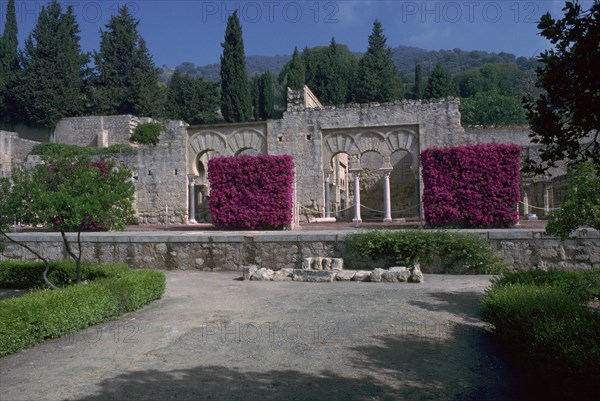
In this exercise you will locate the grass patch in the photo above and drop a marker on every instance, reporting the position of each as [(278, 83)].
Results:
[(457, 252), (44, 314), (544, 320)]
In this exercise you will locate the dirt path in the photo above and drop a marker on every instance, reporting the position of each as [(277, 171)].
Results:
[(213, 337)]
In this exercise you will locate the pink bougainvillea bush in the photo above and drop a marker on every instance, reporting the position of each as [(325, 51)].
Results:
[(471, 186), (251, 191)]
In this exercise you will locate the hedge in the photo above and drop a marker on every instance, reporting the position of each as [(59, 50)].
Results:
[(544, 319), (459, 252), (471, 186), (250, 192), (45, 314), (59, 150)]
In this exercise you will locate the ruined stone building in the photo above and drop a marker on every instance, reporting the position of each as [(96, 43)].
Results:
[(336, 149)]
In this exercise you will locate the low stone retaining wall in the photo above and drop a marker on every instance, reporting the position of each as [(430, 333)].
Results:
[(523, 249), (326, 270)]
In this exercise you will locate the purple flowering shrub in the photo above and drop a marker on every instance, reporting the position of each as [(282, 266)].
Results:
[(471, 186), (251, 191)]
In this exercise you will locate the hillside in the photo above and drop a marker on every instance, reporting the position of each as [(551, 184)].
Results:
[(405, 58)]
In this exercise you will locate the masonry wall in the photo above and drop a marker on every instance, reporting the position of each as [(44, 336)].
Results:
[(524, 250), (95, 131), (160, 178), (13, 151)]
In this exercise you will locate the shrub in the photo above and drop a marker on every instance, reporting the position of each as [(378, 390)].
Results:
[(45, 314), (147, 134), (543, 319), (459, 252), (471, 186), (251, 191), (59, 151), (581, 204)]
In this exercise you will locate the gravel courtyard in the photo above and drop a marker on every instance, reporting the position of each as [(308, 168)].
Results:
[(214, 337)]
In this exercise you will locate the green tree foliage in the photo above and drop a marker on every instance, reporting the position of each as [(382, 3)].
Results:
[(418, 89), (16, 206), (266, 98), (491, 109), (9, 64), (565, 119), (295, 76), (256, 96), (147, 134), (581, 204), (377, 79), (54, 68), (235, 97), (439, 84), (504, 78), (192, 100), (126, 80), (76, 194)]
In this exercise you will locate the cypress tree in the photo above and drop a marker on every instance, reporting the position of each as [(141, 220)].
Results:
[(256, 92), (378, 80), (126, 79), (266, 97), (418, 88), (235, 97), (54, 68), (9, 64), (335, 86), (296, 75), (440, 84)]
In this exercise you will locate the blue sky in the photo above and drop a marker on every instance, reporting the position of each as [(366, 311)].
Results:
[(192, 30)]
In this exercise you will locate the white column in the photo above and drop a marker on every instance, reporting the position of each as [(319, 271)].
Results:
[(387, 201), (192, 200), (327, 196), (546, 199), (525, 203), (357, 218)]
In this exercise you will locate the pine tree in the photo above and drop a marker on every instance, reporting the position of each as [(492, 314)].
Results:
[(266, 99), (235, 97), (378, 80), (54, 68), (418, 90), (147, 93), (296, 75), (256, 97), (126, 79), (9, 64), (440, 84)]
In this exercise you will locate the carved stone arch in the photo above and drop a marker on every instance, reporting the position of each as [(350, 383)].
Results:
[(247, 138), (337, 143), (402, 139), (207, 140), (371, 141)]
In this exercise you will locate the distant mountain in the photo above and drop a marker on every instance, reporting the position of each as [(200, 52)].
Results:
[(405, 58)]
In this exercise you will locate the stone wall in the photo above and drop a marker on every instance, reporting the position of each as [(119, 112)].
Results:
[(13, 151), (523, 249), (95, 131)]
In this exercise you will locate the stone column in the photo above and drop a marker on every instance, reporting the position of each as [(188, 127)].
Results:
[(525, 201), (327, 193), (546, 199), (357, 218), (192, 199), (387, 198)]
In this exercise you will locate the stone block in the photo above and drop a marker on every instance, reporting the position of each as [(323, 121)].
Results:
[(283, 275), (313, 276), (416, 276), (337, 264), (249, 271), (362, 275), (317, 263), (263, 275), (307, 263), (326, 264), (345, 275), (376, 275)]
